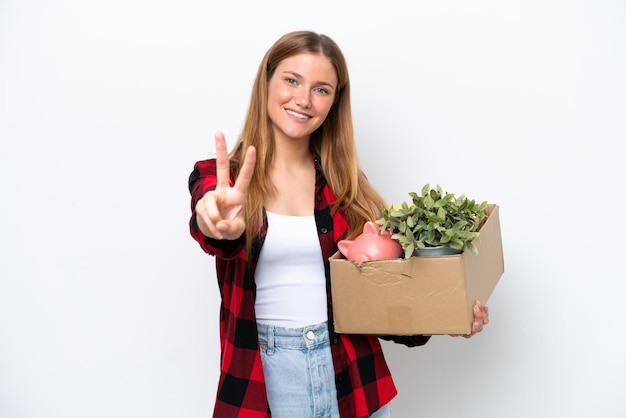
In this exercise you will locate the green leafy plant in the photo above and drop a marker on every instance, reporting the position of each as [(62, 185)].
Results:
[(434, 218)]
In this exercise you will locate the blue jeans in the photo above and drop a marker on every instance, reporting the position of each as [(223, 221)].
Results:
[(299, 373)]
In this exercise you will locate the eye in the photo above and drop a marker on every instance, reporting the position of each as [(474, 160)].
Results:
[(291, 81), (321, 90)]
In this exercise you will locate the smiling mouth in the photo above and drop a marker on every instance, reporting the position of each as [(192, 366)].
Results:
[(298, 115)]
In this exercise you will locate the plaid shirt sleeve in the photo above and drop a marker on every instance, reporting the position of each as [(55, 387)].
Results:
[(363, 380)]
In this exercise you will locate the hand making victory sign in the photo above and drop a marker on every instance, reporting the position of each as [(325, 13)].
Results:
[(220, 212)]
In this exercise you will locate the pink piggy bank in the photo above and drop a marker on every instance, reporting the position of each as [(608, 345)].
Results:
[(370, 245)]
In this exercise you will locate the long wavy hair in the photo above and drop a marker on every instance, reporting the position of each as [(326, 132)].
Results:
[(333, 141)]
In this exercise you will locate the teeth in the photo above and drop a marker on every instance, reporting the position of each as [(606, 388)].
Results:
[(298, 115)]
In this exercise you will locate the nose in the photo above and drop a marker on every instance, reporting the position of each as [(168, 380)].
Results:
[(303, 99)]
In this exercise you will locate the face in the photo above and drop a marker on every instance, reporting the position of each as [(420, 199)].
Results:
[(300, 94)]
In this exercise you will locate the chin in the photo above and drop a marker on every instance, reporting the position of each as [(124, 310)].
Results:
[(297, 135)]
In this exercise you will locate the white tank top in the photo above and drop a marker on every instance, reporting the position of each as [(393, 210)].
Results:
[(290, 279)]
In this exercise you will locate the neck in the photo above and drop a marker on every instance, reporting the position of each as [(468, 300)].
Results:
[(291, 152), (292, 174)]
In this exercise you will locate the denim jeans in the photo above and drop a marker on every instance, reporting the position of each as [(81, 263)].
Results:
[(299, 373)]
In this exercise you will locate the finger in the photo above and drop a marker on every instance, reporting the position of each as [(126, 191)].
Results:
[(479, 312), (231, 229), (212, 211), (222, 162), (477, 326), (247, 169), (207, 227), (479, 318)]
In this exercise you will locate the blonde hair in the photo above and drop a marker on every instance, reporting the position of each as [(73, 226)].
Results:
[(333, 140)]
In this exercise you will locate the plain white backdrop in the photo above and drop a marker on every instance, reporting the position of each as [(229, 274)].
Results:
[(108, 308)]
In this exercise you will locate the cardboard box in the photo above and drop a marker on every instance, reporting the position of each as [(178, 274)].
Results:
[(420, 295)]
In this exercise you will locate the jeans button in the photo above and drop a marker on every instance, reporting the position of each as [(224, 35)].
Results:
[(310, 335)]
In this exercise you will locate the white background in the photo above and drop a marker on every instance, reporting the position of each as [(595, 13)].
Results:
[(109, 309)]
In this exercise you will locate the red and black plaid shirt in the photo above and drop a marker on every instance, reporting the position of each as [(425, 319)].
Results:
[(362, 377)]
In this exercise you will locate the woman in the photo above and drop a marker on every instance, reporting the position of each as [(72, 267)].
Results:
[(272, 216)]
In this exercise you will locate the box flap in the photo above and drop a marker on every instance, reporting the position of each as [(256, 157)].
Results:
[(485, 269)]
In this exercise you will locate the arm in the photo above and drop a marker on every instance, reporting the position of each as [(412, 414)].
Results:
[(217, 200), (203, 179), (408, 340)]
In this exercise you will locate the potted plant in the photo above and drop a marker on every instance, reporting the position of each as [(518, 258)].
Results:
[(434, 221)]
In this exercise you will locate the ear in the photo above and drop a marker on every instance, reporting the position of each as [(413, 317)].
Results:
[(344, 247), (371, 228)]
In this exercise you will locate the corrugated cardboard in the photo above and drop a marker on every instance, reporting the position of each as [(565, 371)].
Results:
[(420, 295)]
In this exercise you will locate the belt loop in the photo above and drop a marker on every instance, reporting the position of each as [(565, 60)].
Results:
[(270, 340)]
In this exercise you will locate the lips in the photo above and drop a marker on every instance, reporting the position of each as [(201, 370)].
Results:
[(298, 115)]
